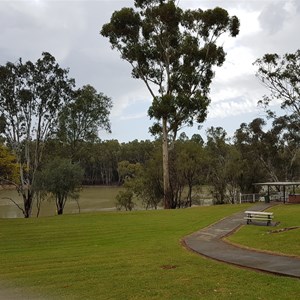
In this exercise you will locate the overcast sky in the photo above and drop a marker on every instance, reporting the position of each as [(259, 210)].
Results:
[(69, 30)]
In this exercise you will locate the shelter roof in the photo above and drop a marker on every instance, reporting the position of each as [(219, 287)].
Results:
[(276, 183)]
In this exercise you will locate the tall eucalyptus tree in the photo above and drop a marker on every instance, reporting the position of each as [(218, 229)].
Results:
[(173, 52)]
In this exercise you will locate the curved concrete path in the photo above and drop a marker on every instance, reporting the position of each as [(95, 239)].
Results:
[(208, 242)]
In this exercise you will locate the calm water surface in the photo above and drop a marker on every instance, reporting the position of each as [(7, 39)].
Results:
[(91, 199)]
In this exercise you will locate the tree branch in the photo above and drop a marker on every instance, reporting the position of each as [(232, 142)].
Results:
[(14, 202)]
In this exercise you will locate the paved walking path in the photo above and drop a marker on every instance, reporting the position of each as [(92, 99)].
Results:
[(208, 242)]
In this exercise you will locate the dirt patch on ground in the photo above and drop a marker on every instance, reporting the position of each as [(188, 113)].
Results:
[(284, 229), (7, 292), (10, 294), (168, 267)]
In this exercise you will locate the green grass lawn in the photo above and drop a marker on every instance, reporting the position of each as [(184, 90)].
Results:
[(261, 237), (120, 255)]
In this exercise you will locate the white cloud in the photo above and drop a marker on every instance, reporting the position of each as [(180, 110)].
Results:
[(141, 115), (239, 62), (231, 108)]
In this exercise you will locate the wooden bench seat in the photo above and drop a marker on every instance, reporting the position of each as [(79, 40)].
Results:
[(258, 216)]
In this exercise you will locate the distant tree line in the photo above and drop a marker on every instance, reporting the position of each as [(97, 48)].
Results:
[(227, 166)]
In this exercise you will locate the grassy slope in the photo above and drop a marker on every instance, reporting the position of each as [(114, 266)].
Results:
[(287, 242), (126, 256)]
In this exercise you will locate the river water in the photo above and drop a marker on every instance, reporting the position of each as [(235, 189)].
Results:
[(91, 199)]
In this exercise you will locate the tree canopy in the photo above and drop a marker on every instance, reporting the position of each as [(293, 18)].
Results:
[(86, 113), (281, 75)]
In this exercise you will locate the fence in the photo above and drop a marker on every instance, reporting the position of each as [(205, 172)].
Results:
[(244, 198)]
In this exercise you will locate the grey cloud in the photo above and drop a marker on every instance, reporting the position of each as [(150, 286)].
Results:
[(297, 5), (282, 38), (273, 17)]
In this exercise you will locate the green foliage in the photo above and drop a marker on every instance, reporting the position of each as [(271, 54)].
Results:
[(81, 119), (100, 159), (145, 180), (249, 142), (9, 169), (125, 200), (271, 155), (137, 151), (225, 166), (127, 170), (147, 185), (61, 179), (190, 169)]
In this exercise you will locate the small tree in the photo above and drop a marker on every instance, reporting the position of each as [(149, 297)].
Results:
[(124, 199), (192, 163), (147, 184), (62, 180), (144, 180)]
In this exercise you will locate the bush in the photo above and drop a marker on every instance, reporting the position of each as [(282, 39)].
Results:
[(124, 199)]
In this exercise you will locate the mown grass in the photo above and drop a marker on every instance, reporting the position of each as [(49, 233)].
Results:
[(135, 255), (261, 237)]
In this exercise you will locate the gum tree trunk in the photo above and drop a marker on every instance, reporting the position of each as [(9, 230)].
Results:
[(166, 172)]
